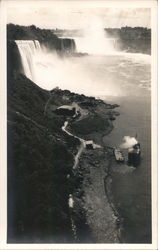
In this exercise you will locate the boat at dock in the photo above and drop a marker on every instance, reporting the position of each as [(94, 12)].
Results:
[(118, 155)]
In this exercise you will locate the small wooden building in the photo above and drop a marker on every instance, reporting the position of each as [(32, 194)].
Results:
[(89, 144), (66, 110)]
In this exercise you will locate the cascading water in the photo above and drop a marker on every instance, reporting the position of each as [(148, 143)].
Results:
[(28, 50), (68, 45)]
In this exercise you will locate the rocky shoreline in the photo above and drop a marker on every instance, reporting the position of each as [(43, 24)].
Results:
[(99, 213)]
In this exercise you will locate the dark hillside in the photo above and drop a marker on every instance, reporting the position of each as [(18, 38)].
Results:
[(39, 159)]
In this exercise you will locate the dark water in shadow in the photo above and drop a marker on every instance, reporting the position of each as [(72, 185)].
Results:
[(131, 187)]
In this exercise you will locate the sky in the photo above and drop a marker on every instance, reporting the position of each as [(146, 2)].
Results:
[(75, 14)]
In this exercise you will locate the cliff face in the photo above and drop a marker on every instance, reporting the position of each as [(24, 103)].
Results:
[(44, 36), (135, 40), (14, 64)]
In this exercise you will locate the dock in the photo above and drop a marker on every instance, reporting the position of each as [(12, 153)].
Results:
[(118, 155)]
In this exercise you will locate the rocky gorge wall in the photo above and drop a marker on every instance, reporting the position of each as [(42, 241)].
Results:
[(132, 39)]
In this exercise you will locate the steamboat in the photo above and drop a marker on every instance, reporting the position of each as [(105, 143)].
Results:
[(134, 154)]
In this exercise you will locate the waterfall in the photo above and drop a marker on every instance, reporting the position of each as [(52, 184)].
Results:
[(41, 63), (28, 50), (68, 45)]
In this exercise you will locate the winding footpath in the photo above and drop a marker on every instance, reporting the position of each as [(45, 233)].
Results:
[(77, 156), (82, 145)]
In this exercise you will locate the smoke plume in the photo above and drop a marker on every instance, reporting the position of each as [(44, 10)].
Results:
[(128, 142)]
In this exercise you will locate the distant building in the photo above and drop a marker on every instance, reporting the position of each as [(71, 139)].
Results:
[(66, 110), (89, 144)]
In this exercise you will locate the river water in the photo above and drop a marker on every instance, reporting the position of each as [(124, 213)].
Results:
[(131, 187)]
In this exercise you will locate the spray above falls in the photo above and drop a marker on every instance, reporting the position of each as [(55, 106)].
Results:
[(95, 39)]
